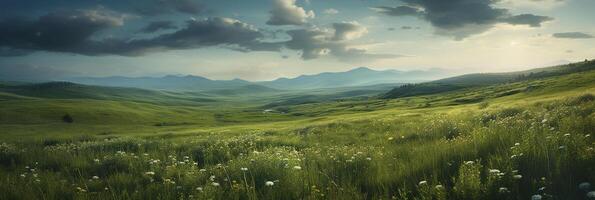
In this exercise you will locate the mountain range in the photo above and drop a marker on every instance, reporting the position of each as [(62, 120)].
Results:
[(361, 76)]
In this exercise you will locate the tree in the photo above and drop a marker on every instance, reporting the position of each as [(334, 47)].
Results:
[(67, 118)]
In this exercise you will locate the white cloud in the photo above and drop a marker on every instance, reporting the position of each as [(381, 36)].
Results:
[(331, 11), (286, 12), (349, 30)]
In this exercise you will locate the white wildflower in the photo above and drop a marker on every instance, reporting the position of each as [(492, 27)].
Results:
[(585, 186)]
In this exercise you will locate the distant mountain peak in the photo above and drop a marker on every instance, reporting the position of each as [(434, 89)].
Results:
[(361, 69)]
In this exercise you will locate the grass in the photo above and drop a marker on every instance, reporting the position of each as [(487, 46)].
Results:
[(506, 141)]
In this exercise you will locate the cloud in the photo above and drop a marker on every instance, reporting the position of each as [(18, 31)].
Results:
[(461, 18), (157, 7), (157, 26), (73, 32), (348, 30), (59, 31), (286, 12), (315, 42), (331, 11), (398, 11), (527, 19), (573, 35), (136, 7)]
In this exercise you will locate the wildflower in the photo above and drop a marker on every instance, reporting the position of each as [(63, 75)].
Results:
[(503, 190), (469, 162), (202, 170), (244, 169), (199, 189), (106, 189), (215, 184), (567, 135), (591, 195), (297, 167), (23, 175), (517, 144), (439, 187), (368, 158), (513, 156), (96, 160), (544, 121), (517, 177), (212, 177), (585, 186), (423, 183), (150, 173), (562, 147), (269, 183), (536, 197), (391, 138), (494, 171), (95, 177)]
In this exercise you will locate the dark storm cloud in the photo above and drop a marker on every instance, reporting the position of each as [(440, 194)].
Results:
[(573, 35), (58, 31), (138, 7), (527, 19), (461, 18), (158, 25), (73, 32)]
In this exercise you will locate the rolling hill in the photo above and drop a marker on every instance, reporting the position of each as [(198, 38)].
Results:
[(486, 79), (68, 90), (170, 82)]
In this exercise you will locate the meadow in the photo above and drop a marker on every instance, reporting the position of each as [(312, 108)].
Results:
[(530, 139)]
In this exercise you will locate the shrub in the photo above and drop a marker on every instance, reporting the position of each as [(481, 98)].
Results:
[(67, 118)]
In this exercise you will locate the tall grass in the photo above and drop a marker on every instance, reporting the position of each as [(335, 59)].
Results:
[(511, 153)]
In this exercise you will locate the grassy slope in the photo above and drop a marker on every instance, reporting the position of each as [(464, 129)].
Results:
[(101, 113), (481, 80), (433, 135)]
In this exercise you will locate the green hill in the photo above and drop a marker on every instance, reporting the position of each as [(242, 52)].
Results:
[(244, 90), (477, 80), (67, 90)]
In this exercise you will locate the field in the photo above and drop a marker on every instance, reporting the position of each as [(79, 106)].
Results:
[(524, 139)]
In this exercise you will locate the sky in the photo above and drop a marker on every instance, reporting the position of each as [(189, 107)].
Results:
[(268, 39)]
